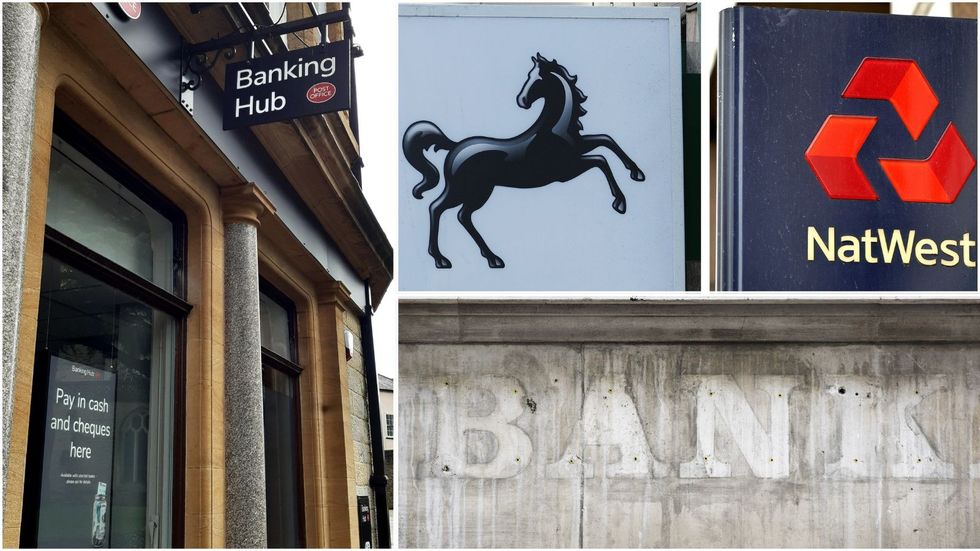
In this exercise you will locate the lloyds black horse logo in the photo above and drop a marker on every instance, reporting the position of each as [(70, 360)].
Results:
[(552, 150)]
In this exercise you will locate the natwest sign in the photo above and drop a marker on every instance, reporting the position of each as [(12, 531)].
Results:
[(847, 152), (287, 86)]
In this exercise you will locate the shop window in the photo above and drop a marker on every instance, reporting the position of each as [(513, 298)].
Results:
[(280, 401), (277, 327), (101, 444), (100, 213)]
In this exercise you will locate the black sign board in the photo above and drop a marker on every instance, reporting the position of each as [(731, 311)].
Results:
[(295, 84), (847, 147), (78, 454), (364, 521)]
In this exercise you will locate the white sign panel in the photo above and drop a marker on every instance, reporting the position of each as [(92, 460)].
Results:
[(541, 149)]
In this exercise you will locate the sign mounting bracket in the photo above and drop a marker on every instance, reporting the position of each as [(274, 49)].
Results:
[(199, 58)]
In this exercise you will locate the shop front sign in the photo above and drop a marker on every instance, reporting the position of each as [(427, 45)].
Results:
[(857, 172), (76, 476), (296, 84), (534, 160)]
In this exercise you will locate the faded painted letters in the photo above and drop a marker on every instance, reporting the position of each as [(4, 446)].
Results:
[(874, 432)]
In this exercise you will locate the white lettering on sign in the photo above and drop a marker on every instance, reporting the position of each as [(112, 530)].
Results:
[(64, 399), (254, 106), (890, 248), (79, 452), (246, 78), (610, 423), (513, 446), (767, 453)]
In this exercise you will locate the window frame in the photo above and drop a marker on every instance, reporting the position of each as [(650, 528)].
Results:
[(293, 370), (73, 253), (287, 304)]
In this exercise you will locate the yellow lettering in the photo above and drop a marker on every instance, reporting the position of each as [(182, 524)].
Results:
[(850, 249), (925, 247), (814, 236), (888, 246), (966, 243), (869, 240), (953, 258)]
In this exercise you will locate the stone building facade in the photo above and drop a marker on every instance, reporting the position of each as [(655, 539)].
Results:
[(199, 293)]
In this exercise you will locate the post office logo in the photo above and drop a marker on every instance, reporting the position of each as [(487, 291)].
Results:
[(321, 92)]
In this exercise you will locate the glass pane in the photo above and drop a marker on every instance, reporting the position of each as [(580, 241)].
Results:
[(281, 458), (108, 428), (93, 208), (275, 327)]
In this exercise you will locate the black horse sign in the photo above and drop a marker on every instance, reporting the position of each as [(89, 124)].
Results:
[(553, 149)]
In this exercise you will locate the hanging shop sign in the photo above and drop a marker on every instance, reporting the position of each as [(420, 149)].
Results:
[(542, 162), (295, 84), (76, 476), (847, 167)]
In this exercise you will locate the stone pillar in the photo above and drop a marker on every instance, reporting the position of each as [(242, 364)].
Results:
[(245, 515), (339, 465), (21, 39)]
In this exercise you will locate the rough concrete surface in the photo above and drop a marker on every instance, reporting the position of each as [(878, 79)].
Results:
[(697, 442)]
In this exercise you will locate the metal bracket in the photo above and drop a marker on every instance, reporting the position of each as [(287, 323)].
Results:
[(196, 60), (194, 67)]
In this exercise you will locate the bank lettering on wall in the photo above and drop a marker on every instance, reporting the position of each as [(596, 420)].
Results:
[(866, 429)]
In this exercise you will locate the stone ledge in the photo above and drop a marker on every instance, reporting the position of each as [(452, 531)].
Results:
[(666, 321)]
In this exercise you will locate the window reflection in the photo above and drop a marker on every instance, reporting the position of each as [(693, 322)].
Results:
[(85, 321)]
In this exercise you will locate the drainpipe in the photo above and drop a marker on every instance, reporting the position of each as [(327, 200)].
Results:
[(379, 482)]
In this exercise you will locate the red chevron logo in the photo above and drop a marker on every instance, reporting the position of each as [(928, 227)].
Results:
[(833, 153), (833, 157), (937, 179), (901, 83)]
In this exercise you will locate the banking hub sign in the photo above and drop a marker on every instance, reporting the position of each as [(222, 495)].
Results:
[(295, 84), (848, 152)]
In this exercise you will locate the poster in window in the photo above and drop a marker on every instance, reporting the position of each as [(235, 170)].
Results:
[(76, 474)]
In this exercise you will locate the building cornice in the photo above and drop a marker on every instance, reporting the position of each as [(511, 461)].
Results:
[(690, 321)]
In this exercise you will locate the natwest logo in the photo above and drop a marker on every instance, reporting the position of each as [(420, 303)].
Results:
[(833, 153)]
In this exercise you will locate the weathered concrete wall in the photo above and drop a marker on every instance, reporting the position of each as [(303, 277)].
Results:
[(689, 424)]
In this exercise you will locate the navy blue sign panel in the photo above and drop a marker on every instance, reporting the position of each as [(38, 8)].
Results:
[(847, 152), (287, 86)]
